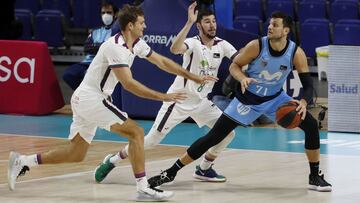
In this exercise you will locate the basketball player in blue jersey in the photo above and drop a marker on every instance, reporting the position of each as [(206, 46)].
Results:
[(92, 107), (202, 55), (270, 60)]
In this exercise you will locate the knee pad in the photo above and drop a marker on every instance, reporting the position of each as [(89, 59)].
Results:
[(310, 126)]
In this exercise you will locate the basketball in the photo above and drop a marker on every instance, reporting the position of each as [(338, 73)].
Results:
[(287, 116)]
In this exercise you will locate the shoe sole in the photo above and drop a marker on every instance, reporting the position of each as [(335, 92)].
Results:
[(206, 179), (165, 199), (105, 159), (320, 189), (12, 157)]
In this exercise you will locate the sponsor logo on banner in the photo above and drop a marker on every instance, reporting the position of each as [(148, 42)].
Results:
[(159, 39), (343, 88), (23, 64)]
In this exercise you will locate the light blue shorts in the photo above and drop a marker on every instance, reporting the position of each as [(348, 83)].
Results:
[(246, 114)]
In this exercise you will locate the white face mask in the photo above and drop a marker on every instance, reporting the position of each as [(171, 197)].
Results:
[(107, 19)]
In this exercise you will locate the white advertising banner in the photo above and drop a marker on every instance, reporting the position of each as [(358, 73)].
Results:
[(344, 88)]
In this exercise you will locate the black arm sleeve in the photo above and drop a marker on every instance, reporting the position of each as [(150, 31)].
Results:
[(308, 86)]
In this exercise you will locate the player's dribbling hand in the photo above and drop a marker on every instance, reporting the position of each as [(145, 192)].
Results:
[(175, 97), (301, 109), (245, 83)]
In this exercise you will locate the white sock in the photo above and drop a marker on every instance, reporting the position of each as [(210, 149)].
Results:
[(205, 163), (118, 157), (30, 160), (141, 183)]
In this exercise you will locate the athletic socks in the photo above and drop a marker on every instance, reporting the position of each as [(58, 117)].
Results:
[(206, 162), (141, 181), (31, 160), (314, 168), (172, 171), (118, 157)]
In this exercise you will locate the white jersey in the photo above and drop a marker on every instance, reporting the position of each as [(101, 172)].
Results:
[(201, 60), (113, 53)]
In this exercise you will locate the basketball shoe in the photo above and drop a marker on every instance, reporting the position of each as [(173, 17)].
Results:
[(16, 168), (153, 195), (161, 179), (103, 169), (209, 175), (318, 183)]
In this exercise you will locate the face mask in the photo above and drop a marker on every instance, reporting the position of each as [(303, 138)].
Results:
[(107, 19)]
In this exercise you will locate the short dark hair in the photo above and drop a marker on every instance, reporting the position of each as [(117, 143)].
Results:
[(129, 14), (202, 13), (287, 20), (106, 4)]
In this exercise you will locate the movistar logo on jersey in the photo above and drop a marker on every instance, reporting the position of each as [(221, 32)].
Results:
[(270, 77), (158, 39), (343, 88)]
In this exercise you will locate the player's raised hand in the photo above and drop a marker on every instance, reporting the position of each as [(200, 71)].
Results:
[(175, 97), (192, 13)]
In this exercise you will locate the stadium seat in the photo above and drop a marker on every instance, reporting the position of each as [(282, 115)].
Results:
[(26, 18), (349, 21), (32, 5), (249, 8), (347, 34), (280, 5), (62, 5), (86, 13), (311, 9), (250, 24), (49, 28), (343, 10), (313, 34)]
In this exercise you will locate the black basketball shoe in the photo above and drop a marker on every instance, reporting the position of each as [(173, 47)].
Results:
[(318, 183), (160, 179)]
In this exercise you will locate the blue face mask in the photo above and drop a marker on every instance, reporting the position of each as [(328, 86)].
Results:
[(107, 19)]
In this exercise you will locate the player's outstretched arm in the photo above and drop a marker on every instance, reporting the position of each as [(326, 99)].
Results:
[(170, 66), (124, 75)]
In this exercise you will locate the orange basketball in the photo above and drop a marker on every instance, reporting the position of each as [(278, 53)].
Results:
[(287, 116)]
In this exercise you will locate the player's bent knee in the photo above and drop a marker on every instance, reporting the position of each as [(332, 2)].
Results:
[(153, 138)]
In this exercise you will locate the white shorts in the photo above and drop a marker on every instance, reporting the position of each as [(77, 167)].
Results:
[(171, 114), (91, 111)]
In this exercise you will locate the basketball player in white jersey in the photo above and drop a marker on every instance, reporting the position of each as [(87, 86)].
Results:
[(92, 107), (202, 55)]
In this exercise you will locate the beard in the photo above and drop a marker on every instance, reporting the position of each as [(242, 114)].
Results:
[(208, 35)]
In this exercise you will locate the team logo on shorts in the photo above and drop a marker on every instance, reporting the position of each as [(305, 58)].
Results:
[(242, 109)]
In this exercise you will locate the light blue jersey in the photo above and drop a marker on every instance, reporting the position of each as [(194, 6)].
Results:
[(271, 70), (97, 37)]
